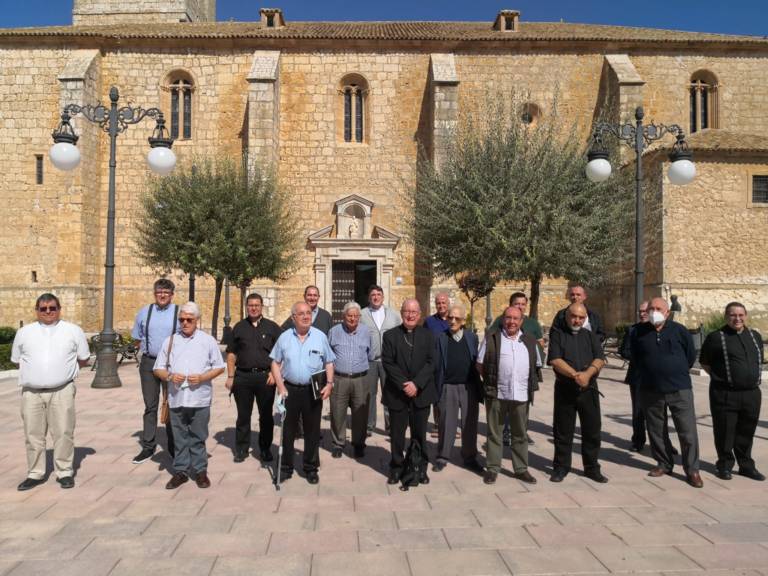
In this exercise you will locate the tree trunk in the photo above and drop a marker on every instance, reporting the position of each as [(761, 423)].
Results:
[(216, 303), (472, 315), (242, 302), (535, 293)]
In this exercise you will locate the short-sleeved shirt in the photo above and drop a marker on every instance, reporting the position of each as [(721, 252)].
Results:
[(299, 360), (577, 349), (160, 327), (353, 350), (194, 354), (252, 344), (47, 354)]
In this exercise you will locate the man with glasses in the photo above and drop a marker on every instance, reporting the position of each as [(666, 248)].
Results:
[(299, 353), (458, 388), (248, 365), (188, 362), (49, 353), (153, 324), (407, 356)]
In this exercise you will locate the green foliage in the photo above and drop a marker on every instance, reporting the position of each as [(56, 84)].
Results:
[(7, 334), (215, 217), (5, 358), (510, 202), (713, 322)]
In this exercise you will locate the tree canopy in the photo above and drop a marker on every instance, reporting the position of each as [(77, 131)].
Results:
[(213, 216), (510, 202)]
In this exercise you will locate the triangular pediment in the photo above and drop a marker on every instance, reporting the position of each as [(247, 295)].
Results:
[(322, 233), (352, 198), (384, 234)]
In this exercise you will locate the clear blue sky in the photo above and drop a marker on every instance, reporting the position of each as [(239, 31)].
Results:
[(733, 17)]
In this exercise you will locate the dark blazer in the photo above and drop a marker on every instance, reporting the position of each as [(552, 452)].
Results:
[(403, 364), (595, 323), (441, 361), (625, 352), (322, 322)]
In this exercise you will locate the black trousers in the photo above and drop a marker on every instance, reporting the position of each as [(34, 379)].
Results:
[(735, 414), (300, 404), (570, 401), (399, 420), (638, 420), (246, 387), (151, 388)]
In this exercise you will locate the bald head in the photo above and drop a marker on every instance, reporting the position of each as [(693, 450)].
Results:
[(575, 316), (411, 312), (658, 312)]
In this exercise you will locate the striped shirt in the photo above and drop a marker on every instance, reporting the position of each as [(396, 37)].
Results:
[(353, 350)]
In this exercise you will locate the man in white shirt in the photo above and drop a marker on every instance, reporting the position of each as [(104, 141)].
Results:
[(507, 362), (193, 362), (378, 318), (49, 353)]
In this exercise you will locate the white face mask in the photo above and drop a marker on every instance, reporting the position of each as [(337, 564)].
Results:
[(657, 318)]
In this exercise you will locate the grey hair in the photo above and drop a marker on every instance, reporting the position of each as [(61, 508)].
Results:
[(190, 308), (294, 308), (409, 300), (460, 307), (350, 306)]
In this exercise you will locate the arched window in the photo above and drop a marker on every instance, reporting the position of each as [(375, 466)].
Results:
[(180, 86), (353, 89), (530, 114), (703, 98)]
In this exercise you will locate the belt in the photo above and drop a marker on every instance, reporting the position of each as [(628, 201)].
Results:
[(296, 385), (252, 370), (355, 375), (148, 356)]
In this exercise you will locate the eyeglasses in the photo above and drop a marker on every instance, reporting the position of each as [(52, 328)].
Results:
[(163, 293), (187, 320), (452, 318), (45, 309)]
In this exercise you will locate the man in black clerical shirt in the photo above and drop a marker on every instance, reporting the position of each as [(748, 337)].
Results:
[(733, 356), (577, 357), (248, 364)]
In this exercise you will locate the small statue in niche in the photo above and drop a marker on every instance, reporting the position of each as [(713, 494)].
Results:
[(354, 231)]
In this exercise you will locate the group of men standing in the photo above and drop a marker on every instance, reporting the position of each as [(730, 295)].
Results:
[(437, 364)]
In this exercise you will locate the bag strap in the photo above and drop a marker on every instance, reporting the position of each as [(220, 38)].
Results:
[(168, 355)]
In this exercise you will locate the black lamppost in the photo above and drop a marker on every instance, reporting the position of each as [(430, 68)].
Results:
[(65, 156), (639, 137)]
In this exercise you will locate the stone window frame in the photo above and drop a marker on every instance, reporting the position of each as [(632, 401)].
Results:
[(750, 187), (353, 110), (530, 114), (703, 91), (184, 120)]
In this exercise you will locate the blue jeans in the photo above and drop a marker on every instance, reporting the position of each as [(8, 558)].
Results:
[(190, 431)]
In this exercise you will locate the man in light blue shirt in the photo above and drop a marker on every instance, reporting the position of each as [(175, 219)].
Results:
[(351, 343), (189, 361), (154, 323), (299, 353)]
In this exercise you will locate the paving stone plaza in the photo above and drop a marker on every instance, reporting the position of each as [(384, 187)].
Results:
[(120, 520)]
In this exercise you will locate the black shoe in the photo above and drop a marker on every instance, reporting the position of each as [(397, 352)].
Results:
[(525, 476), (424, 479), (439, 466), (337, 452), (286, 475), (489, 477), (240, 456), (529, 439), (558, 475), (596, 477), (636, 448), (144, 455), (29, 483), (313, 477), (474, 466), (177, 480), (66, 482), (369, 433), (394, 477), (724, 474), (360, 451), (266, 455), (752, 473)]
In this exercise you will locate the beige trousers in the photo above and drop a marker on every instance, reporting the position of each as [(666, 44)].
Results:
[(42, 409)]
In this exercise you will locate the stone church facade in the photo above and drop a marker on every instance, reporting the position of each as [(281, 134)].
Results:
[(343, 109)]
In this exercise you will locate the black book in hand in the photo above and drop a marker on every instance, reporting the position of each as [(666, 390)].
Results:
[(318, 381)]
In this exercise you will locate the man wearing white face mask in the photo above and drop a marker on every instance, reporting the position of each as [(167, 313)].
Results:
[(663, 352)]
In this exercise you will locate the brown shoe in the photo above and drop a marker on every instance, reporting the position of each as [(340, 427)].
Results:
[(658, 471), (177, 480), (525, 477), (202, 480), (694, 479)]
